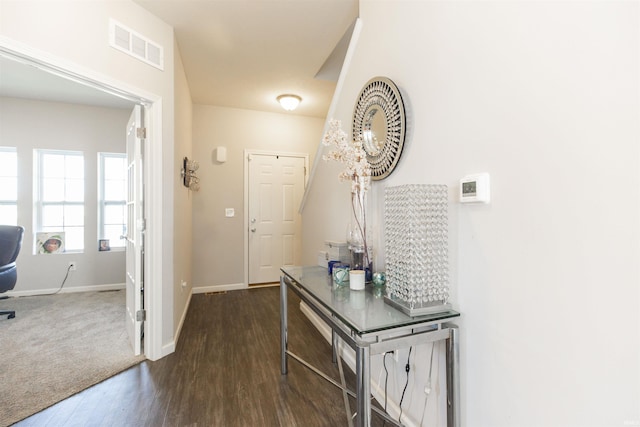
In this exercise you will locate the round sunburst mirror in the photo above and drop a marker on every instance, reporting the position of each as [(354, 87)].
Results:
[(379, 120)]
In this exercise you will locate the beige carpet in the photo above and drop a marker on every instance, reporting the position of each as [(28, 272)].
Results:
[(57, 346)]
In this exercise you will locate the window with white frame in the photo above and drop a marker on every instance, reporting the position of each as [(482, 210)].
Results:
[(60, 195), (8, 186), (112, 198)]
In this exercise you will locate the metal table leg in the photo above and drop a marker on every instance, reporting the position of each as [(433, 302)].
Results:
[(283, 326), (363, 387), (453, 377)]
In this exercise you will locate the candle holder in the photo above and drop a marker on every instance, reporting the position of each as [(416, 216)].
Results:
[(416, 244)]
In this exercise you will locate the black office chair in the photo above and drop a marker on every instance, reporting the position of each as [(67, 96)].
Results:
[(10, 243)]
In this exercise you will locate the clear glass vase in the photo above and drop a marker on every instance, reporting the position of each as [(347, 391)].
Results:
[(358, 237)]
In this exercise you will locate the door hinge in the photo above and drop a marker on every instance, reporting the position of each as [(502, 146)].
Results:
[(141, 315), (141, 133)]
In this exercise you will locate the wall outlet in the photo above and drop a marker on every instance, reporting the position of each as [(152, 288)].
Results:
[(72, 266)]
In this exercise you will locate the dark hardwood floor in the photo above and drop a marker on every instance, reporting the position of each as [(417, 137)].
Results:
[(225, 372)]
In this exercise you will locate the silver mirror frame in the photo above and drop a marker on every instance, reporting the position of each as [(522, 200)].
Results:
[(380, 94)]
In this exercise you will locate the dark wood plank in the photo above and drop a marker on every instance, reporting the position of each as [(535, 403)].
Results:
[(225, 372)]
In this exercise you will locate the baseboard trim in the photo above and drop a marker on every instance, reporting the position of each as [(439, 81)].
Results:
[(218, 288), (176, 336), (71, 289), (167, 349), (265, 285)]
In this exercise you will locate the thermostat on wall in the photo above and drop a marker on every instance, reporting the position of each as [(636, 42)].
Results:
[(475, 188)]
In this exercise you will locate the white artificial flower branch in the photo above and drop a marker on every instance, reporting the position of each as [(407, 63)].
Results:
[(357, 170), (350, 153)]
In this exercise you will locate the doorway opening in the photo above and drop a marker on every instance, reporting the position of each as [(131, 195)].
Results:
[(152, 167)]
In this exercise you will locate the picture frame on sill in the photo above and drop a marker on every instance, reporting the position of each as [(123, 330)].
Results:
[(103, 245), (50, 242)]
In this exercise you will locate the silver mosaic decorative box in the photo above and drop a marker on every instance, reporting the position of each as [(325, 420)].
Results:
[(416, 246)]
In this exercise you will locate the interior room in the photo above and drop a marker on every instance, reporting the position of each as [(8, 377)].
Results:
[(64, 126), (541, 98)]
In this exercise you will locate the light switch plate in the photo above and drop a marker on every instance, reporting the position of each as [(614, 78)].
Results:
[(229, 212)]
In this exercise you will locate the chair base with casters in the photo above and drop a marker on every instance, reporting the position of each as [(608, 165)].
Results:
[(11, 313), (10, 243)]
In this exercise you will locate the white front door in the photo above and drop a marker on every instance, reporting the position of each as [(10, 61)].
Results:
[(135, 230), (276, 187)]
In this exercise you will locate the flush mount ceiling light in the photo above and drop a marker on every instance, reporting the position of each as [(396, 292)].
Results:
[(289, 102)]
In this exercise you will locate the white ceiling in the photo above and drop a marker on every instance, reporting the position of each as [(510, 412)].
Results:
[(244, 53), (236, 53), (19, 79)]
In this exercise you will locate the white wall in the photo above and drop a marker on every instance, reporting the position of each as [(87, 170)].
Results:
[(545, 97), (29, 125), (183, 224), (73, 35), (218, 242)]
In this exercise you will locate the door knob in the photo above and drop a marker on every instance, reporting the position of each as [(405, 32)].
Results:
[(253, 230)]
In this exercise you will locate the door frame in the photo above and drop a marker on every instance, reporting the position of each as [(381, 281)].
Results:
[(152, 104), (247, 154)]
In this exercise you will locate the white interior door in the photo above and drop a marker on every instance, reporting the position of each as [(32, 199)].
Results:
[(276, 186), (135, 230)]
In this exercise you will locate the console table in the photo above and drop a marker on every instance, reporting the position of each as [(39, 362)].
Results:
[(370, 326)]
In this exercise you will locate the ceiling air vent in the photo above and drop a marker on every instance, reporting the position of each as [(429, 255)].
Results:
[(135, 44)]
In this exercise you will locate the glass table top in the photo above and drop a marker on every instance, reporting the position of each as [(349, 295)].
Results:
[(363, 311)]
